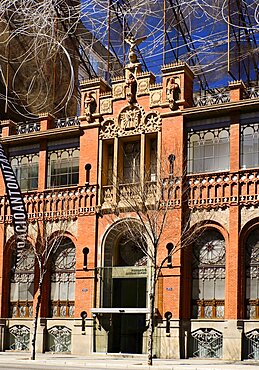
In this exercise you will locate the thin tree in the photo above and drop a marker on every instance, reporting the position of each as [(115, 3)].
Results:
[(150, 203), (47, 239)]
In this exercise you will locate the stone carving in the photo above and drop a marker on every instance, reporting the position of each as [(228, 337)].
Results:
[(89, 105), (143, 87), (153, 122), (172, 92), (131, 88), (156, 97), (131, 121), (118, 91), (129, 118), (108, 129), (106, 106), (133, 43)]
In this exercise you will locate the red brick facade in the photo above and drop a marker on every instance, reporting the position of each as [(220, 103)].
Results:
[(224, 198)]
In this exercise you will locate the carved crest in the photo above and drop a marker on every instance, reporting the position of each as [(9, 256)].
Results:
[(129, 118)]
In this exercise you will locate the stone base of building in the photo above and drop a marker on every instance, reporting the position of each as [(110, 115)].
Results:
[(227, 339)]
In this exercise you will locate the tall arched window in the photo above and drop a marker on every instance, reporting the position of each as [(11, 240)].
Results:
[(252, 274), (22, 284), (63, 280), (208, 276)]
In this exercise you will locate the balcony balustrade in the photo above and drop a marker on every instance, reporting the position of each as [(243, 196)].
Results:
[(224, 189), (54, 204)]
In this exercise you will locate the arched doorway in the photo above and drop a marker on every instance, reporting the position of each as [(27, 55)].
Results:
[(124, 288)]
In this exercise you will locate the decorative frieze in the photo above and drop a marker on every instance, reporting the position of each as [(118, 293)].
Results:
[(131, 120)]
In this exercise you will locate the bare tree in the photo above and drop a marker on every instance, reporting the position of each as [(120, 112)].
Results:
[(47, 237), (151, 203)]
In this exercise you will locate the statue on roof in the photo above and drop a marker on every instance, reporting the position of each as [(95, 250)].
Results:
[(133, 43)]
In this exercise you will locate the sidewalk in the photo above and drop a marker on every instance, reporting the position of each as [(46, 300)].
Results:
[(122, 362)]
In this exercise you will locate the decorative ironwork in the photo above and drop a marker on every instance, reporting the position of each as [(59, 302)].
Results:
[(212, 97), (252, 342), (208, 150), (19, 338), (28, 127), (252, 92), (68, 122), (59, 338), (63, 280), (208, 275), (207, 343)]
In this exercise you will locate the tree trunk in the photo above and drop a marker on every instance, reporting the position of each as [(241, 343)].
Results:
[(35, 323), (151, 315)]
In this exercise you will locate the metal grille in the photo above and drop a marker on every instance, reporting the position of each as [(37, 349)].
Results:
[(207, 343), (252, 339), (67, 122), (59, 339), (212, 97), (19, 338)]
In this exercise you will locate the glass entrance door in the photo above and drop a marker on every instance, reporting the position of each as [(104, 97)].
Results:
[(126, 334)]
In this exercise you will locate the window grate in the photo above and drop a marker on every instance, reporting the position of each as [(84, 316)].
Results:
[(207, 343)]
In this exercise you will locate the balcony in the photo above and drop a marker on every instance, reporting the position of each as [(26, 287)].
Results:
[(64, 204), (224, 189)]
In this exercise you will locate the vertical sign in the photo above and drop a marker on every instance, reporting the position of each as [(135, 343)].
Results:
[(15, 198)]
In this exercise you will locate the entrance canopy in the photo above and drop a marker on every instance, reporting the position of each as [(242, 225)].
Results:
[(119, 310)]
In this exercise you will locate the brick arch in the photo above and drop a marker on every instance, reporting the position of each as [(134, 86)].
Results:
[(112, 236), (197, 228)]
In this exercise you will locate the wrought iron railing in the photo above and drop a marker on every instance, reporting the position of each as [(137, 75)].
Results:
[(252, 92), (66, 122), (212, 97), (27, 127)]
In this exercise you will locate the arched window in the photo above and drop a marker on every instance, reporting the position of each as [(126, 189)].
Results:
[(22, 284), (63, 280), (252, 274), (208, 276), (130, 251)]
